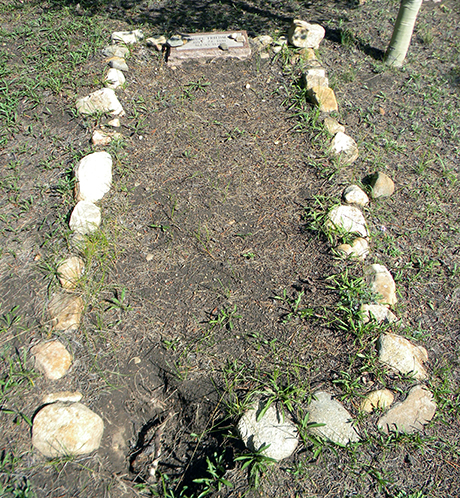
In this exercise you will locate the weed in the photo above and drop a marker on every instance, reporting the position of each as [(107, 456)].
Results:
[(225, 318), (214, 481), (257, 464), (294, 309)]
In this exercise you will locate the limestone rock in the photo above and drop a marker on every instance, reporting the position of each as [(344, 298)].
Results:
[(315, 76), (65, 396), (383, 398), (61, 429), (127, 37), (101, 139), (402, 356), (412, 414), (262, 42), (273, 429), (355, 195), (378, 312), (382, 284), (52, 359), (345, 148), (94, 176), (308, 55), (157, 42), (70, 271), (382, 185), (114, 78), (65, 311), (115, 123), (116, 51), (118, 63), (305, 35), (103, 100), (337, 421), (347, 218), (333, 126), (359, 249), (324, 98), (85, 218)]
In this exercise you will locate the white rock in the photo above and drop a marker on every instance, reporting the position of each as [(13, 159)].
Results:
[(305, 35), (114, 78), (65, 396), (355, 195), (65, 311), (347, 218), (103, 100), (412, 414), (382, 284), (333, 126), (156, 42), (63, 429), (70, 271), (85, 218), (345, 148), (116, 51), (382, 185), (94, 176), (128, 37), (378, 312), (383, 398), (402, 356), (52, 359), (359, 249), (337, 426), (280, 433)]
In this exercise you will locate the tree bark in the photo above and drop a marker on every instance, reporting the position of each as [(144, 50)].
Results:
[(402, 33)]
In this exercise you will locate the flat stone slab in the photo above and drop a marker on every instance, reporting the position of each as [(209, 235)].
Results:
[(221, 44)]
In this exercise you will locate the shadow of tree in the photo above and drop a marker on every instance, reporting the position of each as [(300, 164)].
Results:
[(189, 16)]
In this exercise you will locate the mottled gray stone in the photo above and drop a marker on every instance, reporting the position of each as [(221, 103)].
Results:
[(273, 429), (382, 185), (355, 195), (337, 421)]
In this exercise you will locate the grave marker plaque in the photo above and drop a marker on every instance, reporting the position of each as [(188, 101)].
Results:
[(211, 45)]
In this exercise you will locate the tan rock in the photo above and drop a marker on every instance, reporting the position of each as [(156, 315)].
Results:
[(412, 414), (65, 396), (324, 98), (400, 355), (314, 76), (157, 42), (382, 284), (308, 54), (100, 138), (52, 359), (382, 185), (382, 399), (70, 272), (85, 218), (333, 126), (359, 249), (65, 311), (61, 429), (305, 35), (355, 195)]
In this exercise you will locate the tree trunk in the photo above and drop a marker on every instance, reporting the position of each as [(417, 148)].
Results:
[(400, 41)]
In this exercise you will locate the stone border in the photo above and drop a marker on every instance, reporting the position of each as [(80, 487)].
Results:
[(94, 176)]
